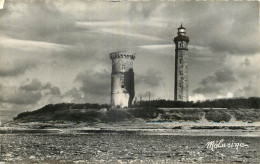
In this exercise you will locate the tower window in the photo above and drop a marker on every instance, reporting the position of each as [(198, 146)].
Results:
[(180, 44), (123, 67), (180, 72), (122, 81), (184, 44), (180, 60)]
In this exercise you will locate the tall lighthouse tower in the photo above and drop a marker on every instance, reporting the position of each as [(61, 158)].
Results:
[(181, 41), (122, 79)]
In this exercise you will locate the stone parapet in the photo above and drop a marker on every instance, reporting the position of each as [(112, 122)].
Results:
[(122, 54)]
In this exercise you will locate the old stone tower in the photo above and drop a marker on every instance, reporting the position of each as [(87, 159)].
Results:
[(122, 79), (181, 41)]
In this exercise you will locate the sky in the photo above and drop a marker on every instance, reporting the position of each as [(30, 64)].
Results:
[(58, 51)]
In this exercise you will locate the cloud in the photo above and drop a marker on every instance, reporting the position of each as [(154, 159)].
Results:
[(30, 92), (98, 24), (124, 32), (197, 97), (74, 96), (95, 85), (228, 95), (2, 4), (46, 86), (8, 69), (218, 26), (213, 84), (148, 82), (13, 95), (251, 89), (34, 85), (220, 76), (150, 79), (141, 12), (238, 77), (30, 45), (158, 46), (245, 67), (37, 21), (246, 62), (209, 89), (55, 91)]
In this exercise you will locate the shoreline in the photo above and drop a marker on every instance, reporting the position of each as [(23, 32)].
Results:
[(186, 128), (175, 132)]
